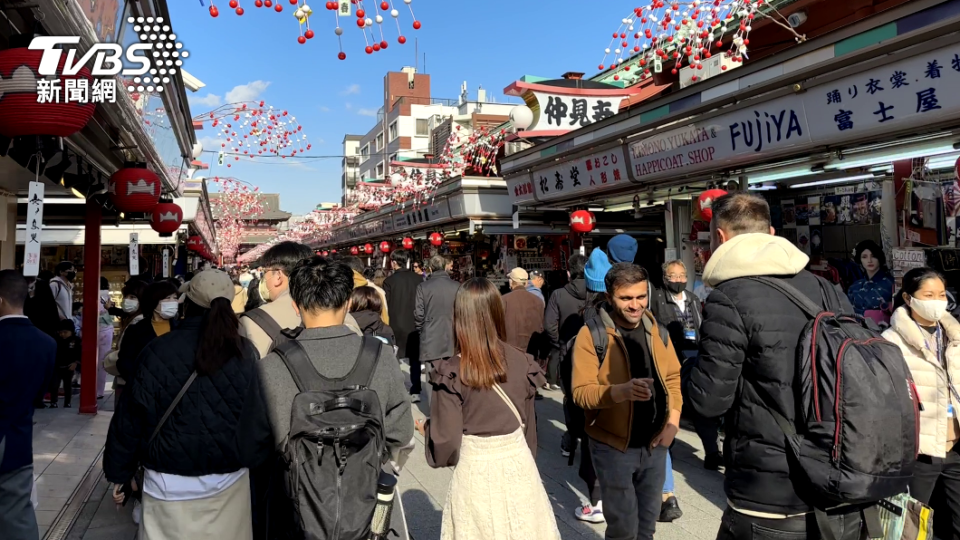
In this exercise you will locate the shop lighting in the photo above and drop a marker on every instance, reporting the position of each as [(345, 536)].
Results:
[(615, 208), (833, 181), (772, 175), (873, 158), (762, 188)]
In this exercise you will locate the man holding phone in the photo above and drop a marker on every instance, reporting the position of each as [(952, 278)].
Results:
[(632, 401)]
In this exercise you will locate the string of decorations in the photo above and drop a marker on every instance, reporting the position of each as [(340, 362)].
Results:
[(370, 19), (317, 226), (239, 202), (253, 128)]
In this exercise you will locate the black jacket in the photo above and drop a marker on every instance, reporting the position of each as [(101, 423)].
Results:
[(564, 316), (199, 438), (401, 290), (134, 340), (433, 315), (665, 312), (371, 324), (68, 351), (747, 365)]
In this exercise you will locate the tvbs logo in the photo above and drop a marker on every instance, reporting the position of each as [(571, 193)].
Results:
[(107, 57)]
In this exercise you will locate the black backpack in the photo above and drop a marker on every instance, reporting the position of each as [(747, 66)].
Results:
[(335, 447), (858, 415), (269, 326)]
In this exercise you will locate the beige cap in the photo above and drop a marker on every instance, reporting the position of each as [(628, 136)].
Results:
[(207, 285), (518, 274)]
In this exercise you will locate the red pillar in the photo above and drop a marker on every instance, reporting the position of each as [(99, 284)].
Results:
[(91, 299)]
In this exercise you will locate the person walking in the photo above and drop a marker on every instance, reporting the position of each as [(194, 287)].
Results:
[(535, 283), (161, 303), (188, 395), (62, 287), (483, 422), (360, 279), (366, 306), (632, 401), (433, 318), (524, 311), (401, 291), (564, 315), (748, 343), (28, 363), (929, 337), (68, 360)]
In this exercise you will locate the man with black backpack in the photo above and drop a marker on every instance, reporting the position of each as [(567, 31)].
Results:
[(791, 387), (336, 408)]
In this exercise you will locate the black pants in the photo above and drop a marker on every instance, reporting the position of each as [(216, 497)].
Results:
[(737, 526), (927, 472), (413, 354), (64, 376), (553, 367)]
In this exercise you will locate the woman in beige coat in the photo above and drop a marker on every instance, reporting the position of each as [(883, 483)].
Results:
[(930, 340)]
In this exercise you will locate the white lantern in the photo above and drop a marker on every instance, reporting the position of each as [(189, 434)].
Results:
[(522, 117)]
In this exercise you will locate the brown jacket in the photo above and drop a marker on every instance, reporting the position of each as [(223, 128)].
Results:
[(523, 315), (607, 421)]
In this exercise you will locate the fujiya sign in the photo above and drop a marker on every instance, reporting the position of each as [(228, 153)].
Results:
[(565, 112)]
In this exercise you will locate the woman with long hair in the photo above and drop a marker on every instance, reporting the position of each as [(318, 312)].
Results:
[(179, 422), (482, 421), (929, 337)]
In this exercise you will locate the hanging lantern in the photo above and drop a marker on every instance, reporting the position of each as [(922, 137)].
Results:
[(582, 221), (324, 254), (408, 243), (166, 217), (134, 189), (195, 243), (368, 249), (436, 239), (354, 250), (704, 206), (333, 251), (385, 246), (22, 113)]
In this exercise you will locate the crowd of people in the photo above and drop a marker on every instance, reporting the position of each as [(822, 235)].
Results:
[(270, 402)]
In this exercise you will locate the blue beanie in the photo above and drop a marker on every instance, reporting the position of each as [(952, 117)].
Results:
[(622, 248), (596, 270)]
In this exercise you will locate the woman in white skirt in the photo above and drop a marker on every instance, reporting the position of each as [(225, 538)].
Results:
[(482, 421)]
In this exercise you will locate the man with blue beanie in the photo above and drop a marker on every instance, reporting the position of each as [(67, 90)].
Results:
[(622, 248)]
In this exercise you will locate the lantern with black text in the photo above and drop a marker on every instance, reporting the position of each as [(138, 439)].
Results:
[(582, 221), (166, 218), (354, 250), (195, 243), (134, 189), (408, 243), (385, 247), (368, 249), (436, 239)]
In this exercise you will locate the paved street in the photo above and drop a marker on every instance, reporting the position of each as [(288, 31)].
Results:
[(422, 489)]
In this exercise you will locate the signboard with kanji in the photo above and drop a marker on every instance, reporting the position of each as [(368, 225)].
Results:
[(565, 112), (581, 175), (31, 251)]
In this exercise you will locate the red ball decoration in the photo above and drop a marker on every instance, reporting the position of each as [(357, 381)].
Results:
[(361, 23), (376, 46), (582, 221), (268, 3), (166, 217), (309, 34), (416, 25), (195, 243), (704, 207), (408, 243), (368, 249), (234, 4), (385, 247), (383, 44), (384, 5), (278, 8), (239, 11), (342, 55), (369, 49), (401, 40), (258, 3), (361, 13), (301, 40), (436, 239), (354, 250), (20, 112), (134, 189), (214, 12)]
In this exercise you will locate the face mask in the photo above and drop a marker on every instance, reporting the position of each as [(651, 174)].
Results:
[(71, 276), (264, 292), (676, 287), (168, 309), (931, 310), (130, 305)]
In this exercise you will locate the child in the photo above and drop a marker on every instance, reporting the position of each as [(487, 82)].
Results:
[(68, 359), (78, 318)]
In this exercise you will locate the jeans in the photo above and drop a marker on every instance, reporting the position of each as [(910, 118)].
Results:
[(926, 473), (631, 483), (17, 518), (668, 479), (737, 526)]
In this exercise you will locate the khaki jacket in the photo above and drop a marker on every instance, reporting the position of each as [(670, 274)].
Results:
[(607, 421)]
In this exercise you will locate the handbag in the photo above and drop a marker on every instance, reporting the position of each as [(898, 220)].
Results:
[(905, 518)]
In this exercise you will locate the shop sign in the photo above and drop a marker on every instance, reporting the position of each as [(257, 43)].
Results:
[(589, 173), (906, 94), (134, 254), (521, 189), (862, 187), (31, 251), (166, 263), (905, 259), (536, 263), (562, 112), (422, 215)]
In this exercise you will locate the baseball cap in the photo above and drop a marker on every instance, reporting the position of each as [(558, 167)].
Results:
[(208, 285), (536, 273), (518, 274)]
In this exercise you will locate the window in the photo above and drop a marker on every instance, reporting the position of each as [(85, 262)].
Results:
[(393, 131), (380, 170), (379, 142), (393, 157), (356, 151), (363, 177), (365, 151), (423, 127)]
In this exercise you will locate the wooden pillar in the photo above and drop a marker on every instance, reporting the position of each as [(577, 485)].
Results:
[(91, 301)]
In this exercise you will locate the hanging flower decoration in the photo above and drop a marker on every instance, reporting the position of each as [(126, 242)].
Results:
[(368, 18), (665, 34), (238, 203), (250, 129)]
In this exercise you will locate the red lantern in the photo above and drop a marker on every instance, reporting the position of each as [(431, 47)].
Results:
[(408, 243), (484, 253), (134, 189), (704, 206), (436, 239), (582, 221), (166, 217), (195, 243), (385, 246), (354, 250), (324, 253), (20, 111), (368, 249), (333, 251)]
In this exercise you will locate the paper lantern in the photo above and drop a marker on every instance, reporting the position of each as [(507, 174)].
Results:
[(408, 243), (21, 114), (704, 206), (436, 239), (195, 243), (134, 189), (368, 249), (324, 253), (582, 221), (385, 246), (333, 251), (354, 250), (166, 217)]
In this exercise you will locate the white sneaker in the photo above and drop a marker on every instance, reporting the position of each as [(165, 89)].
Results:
[(137, 512), (590, 514), (555, 387)]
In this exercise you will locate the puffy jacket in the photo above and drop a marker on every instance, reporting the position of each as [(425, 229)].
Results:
[(199, 438), (748, 348), (564, 317), (433, 315), (929, 376)]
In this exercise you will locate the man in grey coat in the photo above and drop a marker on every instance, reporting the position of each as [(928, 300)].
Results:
[(433, 315)]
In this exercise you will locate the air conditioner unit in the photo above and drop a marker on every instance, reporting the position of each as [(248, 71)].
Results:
[(712, 67)]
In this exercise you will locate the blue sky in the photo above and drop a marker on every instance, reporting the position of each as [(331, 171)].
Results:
[(487, 43)]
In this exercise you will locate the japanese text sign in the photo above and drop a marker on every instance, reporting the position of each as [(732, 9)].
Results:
[(564, 113), (134, 254), (588, 173), (31, 251)]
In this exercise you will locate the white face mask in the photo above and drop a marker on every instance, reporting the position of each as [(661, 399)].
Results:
[(931, 310), (130, 305), (168, 309)]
